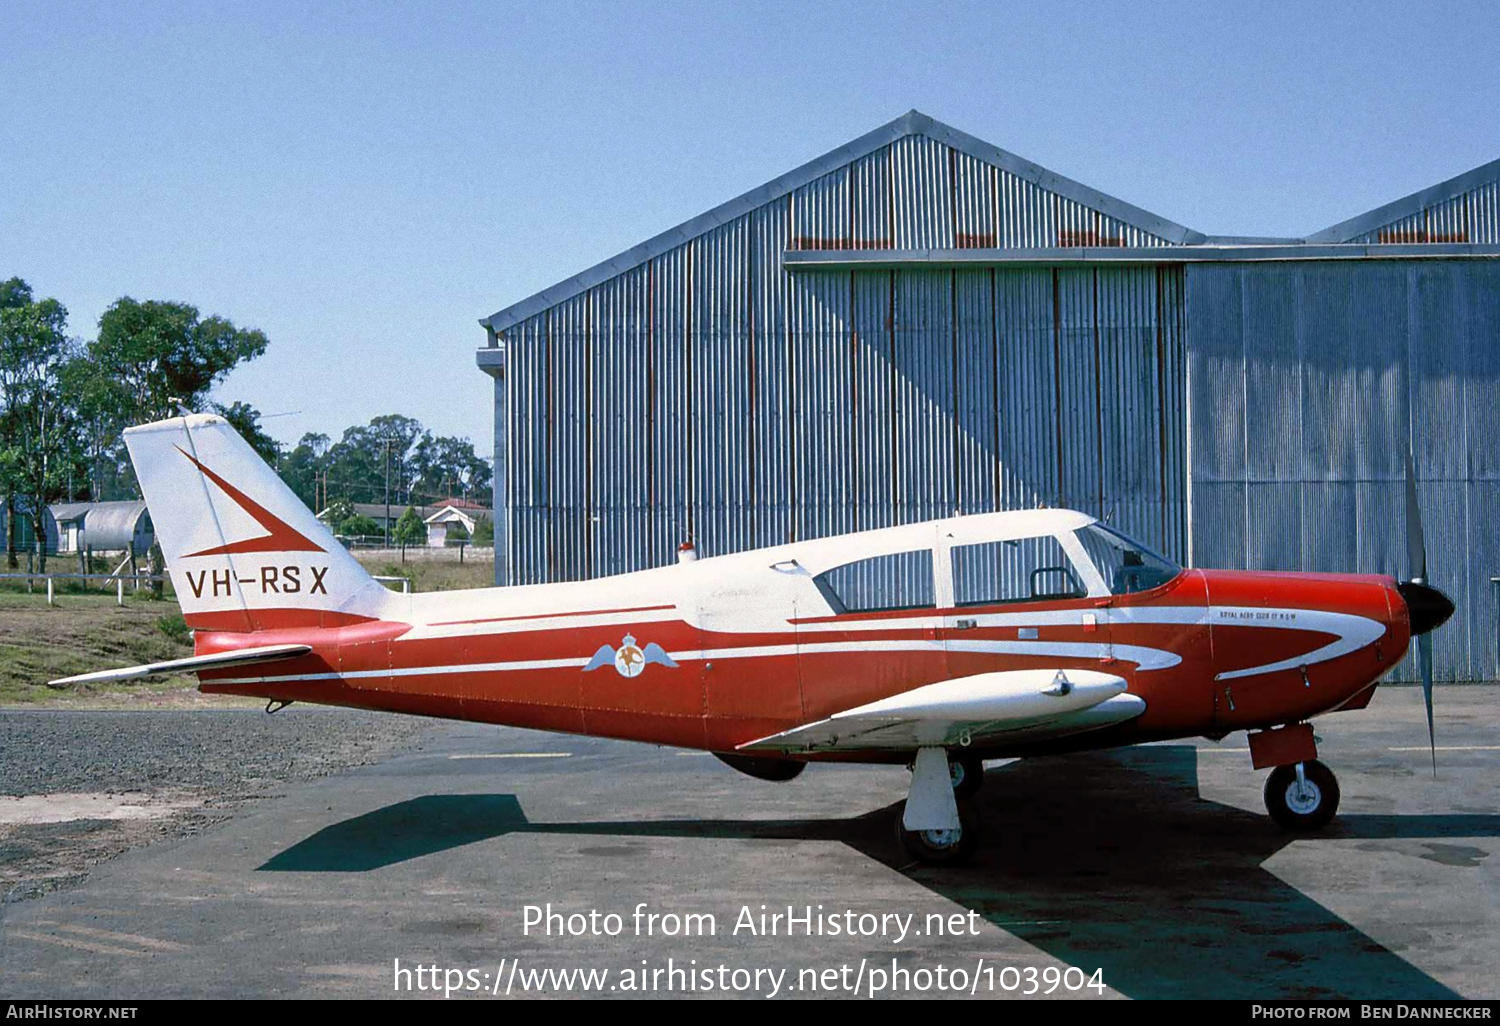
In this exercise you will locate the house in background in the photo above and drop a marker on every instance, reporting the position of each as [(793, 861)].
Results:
[(453, 523), (439, 517)]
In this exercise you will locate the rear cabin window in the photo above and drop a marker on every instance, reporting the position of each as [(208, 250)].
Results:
[(1023, 570), (902, 580)]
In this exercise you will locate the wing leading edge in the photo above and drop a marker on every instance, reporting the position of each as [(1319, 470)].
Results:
[(1012, 705)]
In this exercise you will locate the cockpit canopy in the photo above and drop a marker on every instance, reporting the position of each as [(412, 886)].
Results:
[(961, 568)]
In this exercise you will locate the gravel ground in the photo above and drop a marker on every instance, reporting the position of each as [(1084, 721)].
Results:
[(169, 773)]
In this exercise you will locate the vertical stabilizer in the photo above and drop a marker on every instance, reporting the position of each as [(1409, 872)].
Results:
[(245, 554)]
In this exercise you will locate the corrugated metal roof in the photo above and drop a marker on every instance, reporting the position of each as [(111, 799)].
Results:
[(1021, 172)]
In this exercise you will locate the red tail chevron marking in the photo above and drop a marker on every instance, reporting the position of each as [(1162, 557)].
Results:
[(282, 537)]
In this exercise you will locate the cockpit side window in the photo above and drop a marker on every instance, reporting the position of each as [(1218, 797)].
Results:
[(900, 580), (1021, 570), (1127, 566)]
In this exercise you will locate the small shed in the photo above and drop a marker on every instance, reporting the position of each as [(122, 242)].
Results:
[(100, 527), (65, 525)]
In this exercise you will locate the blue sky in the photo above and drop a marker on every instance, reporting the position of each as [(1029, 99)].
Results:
[(364, 181)]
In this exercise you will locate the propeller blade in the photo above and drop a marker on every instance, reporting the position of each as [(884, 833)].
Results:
[(1416, 563), (1416, 547), (1424, 658)]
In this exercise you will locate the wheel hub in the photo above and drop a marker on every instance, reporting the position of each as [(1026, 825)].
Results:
[(1303, 797), (941, 838)]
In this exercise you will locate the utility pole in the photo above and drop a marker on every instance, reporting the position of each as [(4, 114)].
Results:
[(388, 443)]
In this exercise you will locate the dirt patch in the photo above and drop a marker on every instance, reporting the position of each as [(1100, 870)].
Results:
[(31, 809), (81, 786)]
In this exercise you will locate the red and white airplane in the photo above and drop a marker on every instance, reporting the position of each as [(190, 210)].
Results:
[(937, 644)]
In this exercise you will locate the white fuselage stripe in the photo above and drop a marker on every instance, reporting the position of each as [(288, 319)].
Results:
[(427, 632), (1353, 633), (1147, 658)]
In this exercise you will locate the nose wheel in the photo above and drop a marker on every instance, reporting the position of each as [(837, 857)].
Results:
[(1303, 796)]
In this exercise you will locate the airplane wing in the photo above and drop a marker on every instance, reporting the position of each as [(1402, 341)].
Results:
[(1015, 705), (216, 661)]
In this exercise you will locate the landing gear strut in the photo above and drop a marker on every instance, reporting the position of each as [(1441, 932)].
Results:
[(938, 823), (1303, 796)]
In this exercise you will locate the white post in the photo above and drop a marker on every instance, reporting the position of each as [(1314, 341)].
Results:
[(119, 591), (49, 589)]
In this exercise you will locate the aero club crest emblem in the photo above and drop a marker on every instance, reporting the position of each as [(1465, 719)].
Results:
[(630, 659)]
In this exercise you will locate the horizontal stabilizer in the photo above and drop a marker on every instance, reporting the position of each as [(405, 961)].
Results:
[(1011, 706), (216, 661)]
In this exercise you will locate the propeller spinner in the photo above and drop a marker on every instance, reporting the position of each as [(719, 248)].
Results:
[(1427, 607)]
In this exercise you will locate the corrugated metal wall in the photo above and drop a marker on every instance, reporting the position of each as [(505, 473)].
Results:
[(918, 193), (710, 394), (1472, 217), (1303, 377)]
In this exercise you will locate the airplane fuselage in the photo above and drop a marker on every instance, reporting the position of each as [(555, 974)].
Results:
[(1209, 651)]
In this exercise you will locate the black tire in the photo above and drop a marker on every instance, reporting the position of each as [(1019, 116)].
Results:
[(939, 847), (967, 774), (1308, 811)]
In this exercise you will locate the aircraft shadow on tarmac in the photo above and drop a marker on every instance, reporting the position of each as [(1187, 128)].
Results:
[(1105, 860)]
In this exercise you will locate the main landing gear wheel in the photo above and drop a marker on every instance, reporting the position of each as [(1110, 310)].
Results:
[(1303, 796), (943, 847), (967, 774)]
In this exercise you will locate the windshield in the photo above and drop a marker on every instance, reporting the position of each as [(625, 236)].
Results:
[(1126, 566)]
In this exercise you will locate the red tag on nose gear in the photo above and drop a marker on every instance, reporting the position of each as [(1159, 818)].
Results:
[(1283, 746)]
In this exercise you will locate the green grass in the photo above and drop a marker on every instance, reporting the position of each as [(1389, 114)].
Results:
[(435, 575), (80, 633)]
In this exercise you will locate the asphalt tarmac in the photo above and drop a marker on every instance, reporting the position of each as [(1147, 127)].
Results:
[(1151, 871)]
